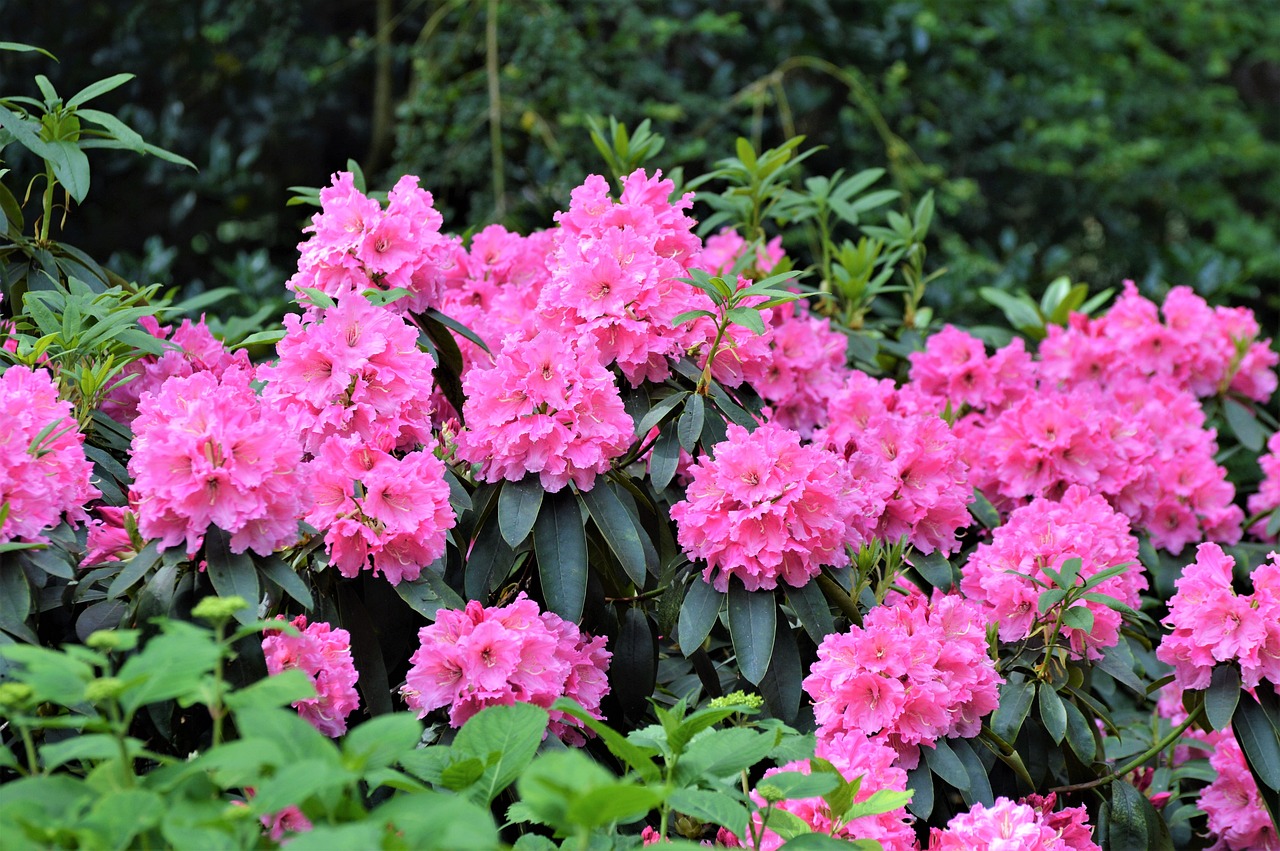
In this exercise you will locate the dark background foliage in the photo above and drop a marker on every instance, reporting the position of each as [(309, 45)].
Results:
[(1103, 140)]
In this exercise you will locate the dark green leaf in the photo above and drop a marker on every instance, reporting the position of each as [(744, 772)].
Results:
[(659, 412), (615, 524), (689, 426), (1256, 724), (366, 652), (1016, 696), (634, 669), (489, 562), (1244, 424), (979, 781), (664, 458), (635, 756), (1133, 823), (518, 506), (1118, 661), (698, 614), (934, 568), (1080, 733), (752, 617), (920, 783), (1052, 712), (1223, 696), (134, 569), (232, 574), (943, 762), (560, 545), (275, 569), (429, 593), (812, 609), (983, 511), (780, 686), (432, 821), (15, 600)]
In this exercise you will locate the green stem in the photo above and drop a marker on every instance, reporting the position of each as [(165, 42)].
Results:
[(704, 382), (216, 708), (29, 743), (1137, 761), (50, 183)]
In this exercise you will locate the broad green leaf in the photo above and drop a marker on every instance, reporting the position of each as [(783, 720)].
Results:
[(1244, 424), (1016, 696), (812, 609), (277, 690), (134, 569), (1080, 733), (70, 166), (379, 742), (1257, 728), (979, 782), (428, 820), (560, 546), (615, 524), (15, 600), (518, 506), (172, 665), (714, 807), (920, 784), (101, 87), (780, 685), (721, 753), (275, 569), (232, 574), (1052, 712), (664, 458), (636, 757), (793, 784), (1222, 696), (660, 410), (943, 762), (488, 564), (634, 669), (689, 425), (429, 593), (752, 616)]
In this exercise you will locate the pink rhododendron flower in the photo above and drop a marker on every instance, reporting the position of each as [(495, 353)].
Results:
[(1031, 825), (44, 473), (955, 368), (107, 537), (545, 407), (1200, 349), (908, 461), (197, 351), (1045, 534), (916, 671), (616, 270), (1237, 817), (805, 370), (853, 755), (725, 248), (206, 451), (356, 371), (1268, 496), (499, 656), (324, 655), (375, 507), (765, 508), (356, 245), (1211, 624)]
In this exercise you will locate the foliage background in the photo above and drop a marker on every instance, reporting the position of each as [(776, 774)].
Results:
[(1102, 140)]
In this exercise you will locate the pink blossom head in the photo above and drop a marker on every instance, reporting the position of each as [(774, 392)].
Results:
[(44, 474), (763, 507), (324, 655)]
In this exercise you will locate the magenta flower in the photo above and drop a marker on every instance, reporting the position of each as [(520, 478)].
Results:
[(1045, 534), (1031, 825), (356, 371), (324, 655), (380, 509), (44, 473), (206, 451), (545, 407), (499, 656), (765, 508), (916, 671)]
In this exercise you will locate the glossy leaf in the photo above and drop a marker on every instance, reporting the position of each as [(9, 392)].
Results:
[(615, 524), (518, 507), (780, 685), (1222, 696), (560, 545), (698, 613), (752, 619), (232, 574), (812, 609)]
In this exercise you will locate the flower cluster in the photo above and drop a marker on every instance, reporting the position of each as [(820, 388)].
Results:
[(206, 451), (357, 370), (854, 756), (763, 507), (955, 367), (1268, 496), (726, 249), (1204, 350), (616, 270), (324, 655), (197, 351), (375, 506), (44, 473), (1030, 824), (806, 368), (1237, 816), (356, 245), (545, 407), (499, 656), (906, 460), (1212, 624), (1004, 573), (916, 671)]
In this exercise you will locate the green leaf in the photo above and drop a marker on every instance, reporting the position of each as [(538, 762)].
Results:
[(1016, 696), (327, 837), (752, 616), (1244, 424), (1118, 661), (232, 574), (793, 784), (780, 685), (1133, 823), (934, 568), (70, 166), (979, 781), (429, 593), (560, 545), (614, 802), (172, 666), (714, 807), (689, 426), (427, 820), (825, 842), (133, 570), (983, 511), (812, 609), (1257, 728), (54, 677), (698, 613), (747, 317), (379, 742), (1078, 617), (1052, 712), (659, 412), (634, 669), (15, 600), (920, 784), (275, 569), (615, 524), (488, 563), (664, 458), (1080, 733), (101, 87), (518, 506), (943, 762), (1223, 695), (274, 691), (636, 757), (721, 753)]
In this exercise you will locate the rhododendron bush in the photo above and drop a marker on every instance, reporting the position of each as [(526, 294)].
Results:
[(662, 523)]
